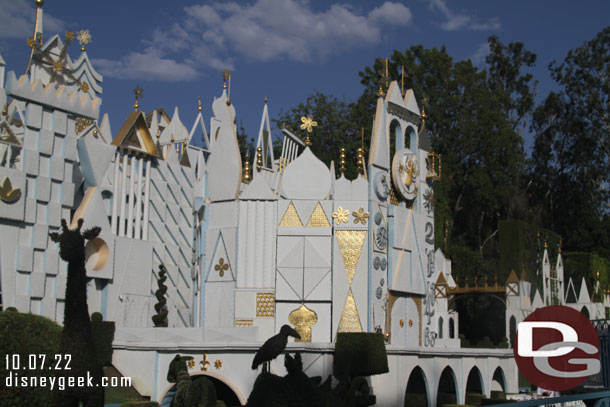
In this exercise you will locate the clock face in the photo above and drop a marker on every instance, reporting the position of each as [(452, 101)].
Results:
[(405, 173)]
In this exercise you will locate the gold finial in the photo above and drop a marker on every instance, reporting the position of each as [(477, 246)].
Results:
[(247, 167), (359, 163), (259, 159), (158, 134), (172, 138), (5, 110), (225, 76), (546, 244), (387, 76), (265, 99), (342, 156), (423, 113), (139, 94), (199, 104), (178, 148), (84, 37), (308, 124), (402, 79), (559, 245), (39, 3)]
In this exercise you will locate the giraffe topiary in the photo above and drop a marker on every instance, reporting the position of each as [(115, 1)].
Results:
[(76, 337)]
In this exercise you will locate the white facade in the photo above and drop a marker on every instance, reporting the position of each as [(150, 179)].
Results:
[(295, 245)]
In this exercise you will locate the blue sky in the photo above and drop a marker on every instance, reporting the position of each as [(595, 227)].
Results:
[(282, 49)]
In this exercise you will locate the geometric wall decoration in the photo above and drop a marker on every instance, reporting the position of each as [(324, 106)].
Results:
[(303, 320), (318, 217), (291, 217), (265, 305), (350, 321), (350, 243)]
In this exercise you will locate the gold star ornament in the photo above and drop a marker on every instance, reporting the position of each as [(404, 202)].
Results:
[(84, 37), (340, 215), (307, 124), (361, 216)]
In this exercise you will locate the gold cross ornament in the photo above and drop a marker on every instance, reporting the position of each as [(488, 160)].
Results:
[(221, 267)]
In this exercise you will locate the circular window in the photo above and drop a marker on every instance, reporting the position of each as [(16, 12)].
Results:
[(96, 254)]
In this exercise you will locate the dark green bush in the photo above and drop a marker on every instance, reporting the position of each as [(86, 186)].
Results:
[(25, 335), (140, 404), (103, 334), (359, 354)]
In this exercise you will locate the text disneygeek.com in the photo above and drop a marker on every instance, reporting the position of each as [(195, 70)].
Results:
[(61, 383)]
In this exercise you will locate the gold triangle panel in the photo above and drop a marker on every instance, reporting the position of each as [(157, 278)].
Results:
[(318, 217), (303, 319), (350, 320), (350, 243), (291, 217)]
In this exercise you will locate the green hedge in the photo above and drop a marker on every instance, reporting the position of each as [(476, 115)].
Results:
[(103, 335), (24, 335), (360, 354)]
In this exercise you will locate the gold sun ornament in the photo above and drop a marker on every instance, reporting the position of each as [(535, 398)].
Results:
[(307, 124), (361, 216), (84, 37), (340, 215)]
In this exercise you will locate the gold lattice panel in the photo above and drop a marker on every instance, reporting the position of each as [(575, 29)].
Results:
[(350, 320), (291, 217), (318, 217), (393, 196), (243, 322), (350, 243), (265, 305), (303, 320)]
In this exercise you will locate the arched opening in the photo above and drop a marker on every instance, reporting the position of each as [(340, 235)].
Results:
[(512, 329), (416, 394), (411, 139), (584, 310), (451, 328), (440, 327), (396, 138), (447, 390), (498, 383), (474, 387), (223, 392)]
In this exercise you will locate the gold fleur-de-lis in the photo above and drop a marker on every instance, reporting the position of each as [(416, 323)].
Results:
[(204, 362), (191, 363), (308, 123), (218, 364), (7, 193), (340, 215), (360, 216), (221, 267)]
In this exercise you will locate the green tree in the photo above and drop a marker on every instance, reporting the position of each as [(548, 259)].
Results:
[(570, 166), (339, 126)]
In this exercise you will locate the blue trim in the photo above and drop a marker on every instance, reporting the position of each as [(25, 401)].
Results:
[(155, 379)]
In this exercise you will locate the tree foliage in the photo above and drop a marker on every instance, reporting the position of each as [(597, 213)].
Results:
[(570, 166)]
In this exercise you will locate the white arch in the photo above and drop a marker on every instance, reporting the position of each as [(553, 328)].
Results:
[(427, 387)]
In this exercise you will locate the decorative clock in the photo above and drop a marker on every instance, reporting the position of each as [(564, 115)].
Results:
[(405, 173)]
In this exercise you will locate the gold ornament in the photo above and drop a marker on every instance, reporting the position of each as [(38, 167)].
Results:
[(361, 216), (340, 215), (84, 37), (7, 193), (303, 320), (221, 267)]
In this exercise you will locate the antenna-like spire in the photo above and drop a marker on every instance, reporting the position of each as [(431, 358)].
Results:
[(138, 93), (35, 42)]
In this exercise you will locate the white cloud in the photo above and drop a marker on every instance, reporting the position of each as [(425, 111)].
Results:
[(455, 21), (147, 65), (17, 20), (216, 35), (478, 58)]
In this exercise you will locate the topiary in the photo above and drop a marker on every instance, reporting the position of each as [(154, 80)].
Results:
[(160, 319), (22, 335), (103, 334)]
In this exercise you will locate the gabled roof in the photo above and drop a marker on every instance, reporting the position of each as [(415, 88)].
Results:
[(134, 135)]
